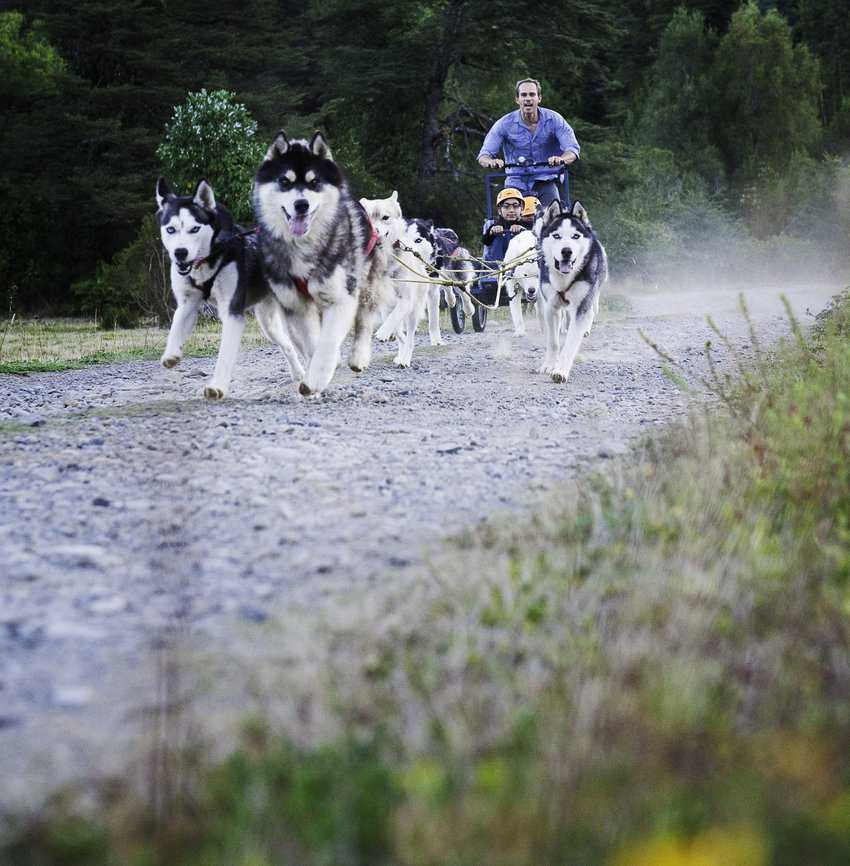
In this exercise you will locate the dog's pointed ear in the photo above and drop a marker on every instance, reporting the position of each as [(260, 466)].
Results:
[(278, 147), (394, 196), (552, 212), (163, 193), (579, 211), (364, 203), (320, 147), (545, 215), (204, 196)]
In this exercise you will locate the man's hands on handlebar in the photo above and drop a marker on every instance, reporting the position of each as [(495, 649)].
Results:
[(491, 162), (567, 159), (495, 162)]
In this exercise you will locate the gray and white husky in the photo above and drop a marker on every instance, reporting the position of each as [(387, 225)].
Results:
[(417, 253), (315, 241), (212, 260), (385, 215), (573, 269)]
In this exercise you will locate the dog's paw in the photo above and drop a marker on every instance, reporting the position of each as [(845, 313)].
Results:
[(169, 361), (383, 336), (587, 333), (520, 333), (559, 378), (400, 362), (438, 341), (213, 393), (306, 391)]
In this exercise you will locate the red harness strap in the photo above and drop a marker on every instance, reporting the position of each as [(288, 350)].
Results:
[(301, 282)]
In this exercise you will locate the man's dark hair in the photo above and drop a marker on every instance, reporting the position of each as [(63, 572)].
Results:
[(528, 81)]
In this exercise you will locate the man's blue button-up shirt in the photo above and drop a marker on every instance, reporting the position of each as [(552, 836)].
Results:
[(553, 137)]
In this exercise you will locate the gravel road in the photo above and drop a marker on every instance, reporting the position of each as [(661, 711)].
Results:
[(131, 507)]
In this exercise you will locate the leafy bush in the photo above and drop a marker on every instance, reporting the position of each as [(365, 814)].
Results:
[(211, 136)]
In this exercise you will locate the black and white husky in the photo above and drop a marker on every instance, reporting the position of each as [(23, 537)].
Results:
[(316, 242), (212, 260), (573, 268)]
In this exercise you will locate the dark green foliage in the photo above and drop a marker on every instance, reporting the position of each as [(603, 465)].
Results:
[(766, 95), (133, 286), (405, 93)]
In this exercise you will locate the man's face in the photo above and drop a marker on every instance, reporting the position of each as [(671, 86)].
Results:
[(528, 98), (510, 209)]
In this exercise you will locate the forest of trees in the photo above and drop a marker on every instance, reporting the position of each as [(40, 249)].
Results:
[(685, 112)]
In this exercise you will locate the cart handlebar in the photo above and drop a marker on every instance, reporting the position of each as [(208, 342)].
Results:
[(530, 165)]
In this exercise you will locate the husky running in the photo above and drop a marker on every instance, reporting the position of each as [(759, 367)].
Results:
[(523, 280), (212, 260), (417, 252), (573, 269), (315, 241), (379, 290)]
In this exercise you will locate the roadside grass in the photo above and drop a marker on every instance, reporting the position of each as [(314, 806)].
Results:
[(53, 345), (48, 345), (653, 671)]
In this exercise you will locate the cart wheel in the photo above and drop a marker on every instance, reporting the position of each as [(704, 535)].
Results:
[(458, 316), (479, 318)]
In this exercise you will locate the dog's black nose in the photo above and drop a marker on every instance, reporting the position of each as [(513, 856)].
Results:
[(180, 253), (566, 254), (302, 206)]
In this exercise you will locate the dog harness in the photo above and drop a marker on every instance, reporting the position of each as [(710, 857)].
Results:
[(301, 282)]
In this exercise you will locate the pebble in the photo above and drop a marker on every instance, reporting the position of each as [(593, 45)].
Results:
[(72, 697), (109, 605)]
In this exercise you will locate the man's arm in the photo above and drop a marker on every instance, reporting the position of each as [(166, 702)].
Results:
[(566, 141), (487, 156)]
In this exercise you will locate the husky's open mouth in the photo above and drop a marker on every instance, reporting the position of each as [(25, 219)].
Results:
[(300, 223), (183, 268), (564, 267)]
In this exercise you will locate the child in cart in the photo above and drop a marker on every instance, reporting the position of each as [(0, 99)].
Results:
[(510, 206)]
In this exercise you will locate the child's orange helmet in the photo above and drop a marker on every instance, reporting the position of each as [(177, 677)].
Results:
[(529, 207), (506, 193)]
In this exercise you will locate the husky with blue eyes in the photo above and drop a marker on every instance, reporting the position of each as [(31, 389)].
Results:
[(212, 260), (318, 253), (573, 269)]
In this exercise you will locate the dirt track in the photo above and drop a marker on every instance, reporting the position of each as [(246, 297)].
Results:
[(131, 507)]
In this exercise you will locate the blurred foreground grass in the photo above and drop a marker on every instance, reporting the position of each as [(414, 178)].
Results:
[(46, 345), (654, 671)]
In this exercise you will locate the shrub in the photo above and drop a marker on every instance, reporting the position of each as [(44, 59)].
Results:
[(211, 136)]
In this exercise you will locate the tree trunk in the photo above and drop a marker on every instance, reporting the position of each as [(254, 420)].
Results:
[(446, 50)]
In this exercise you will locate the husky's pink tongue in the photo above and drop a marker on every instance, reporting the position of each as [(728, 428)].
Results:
[(298, 225)]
